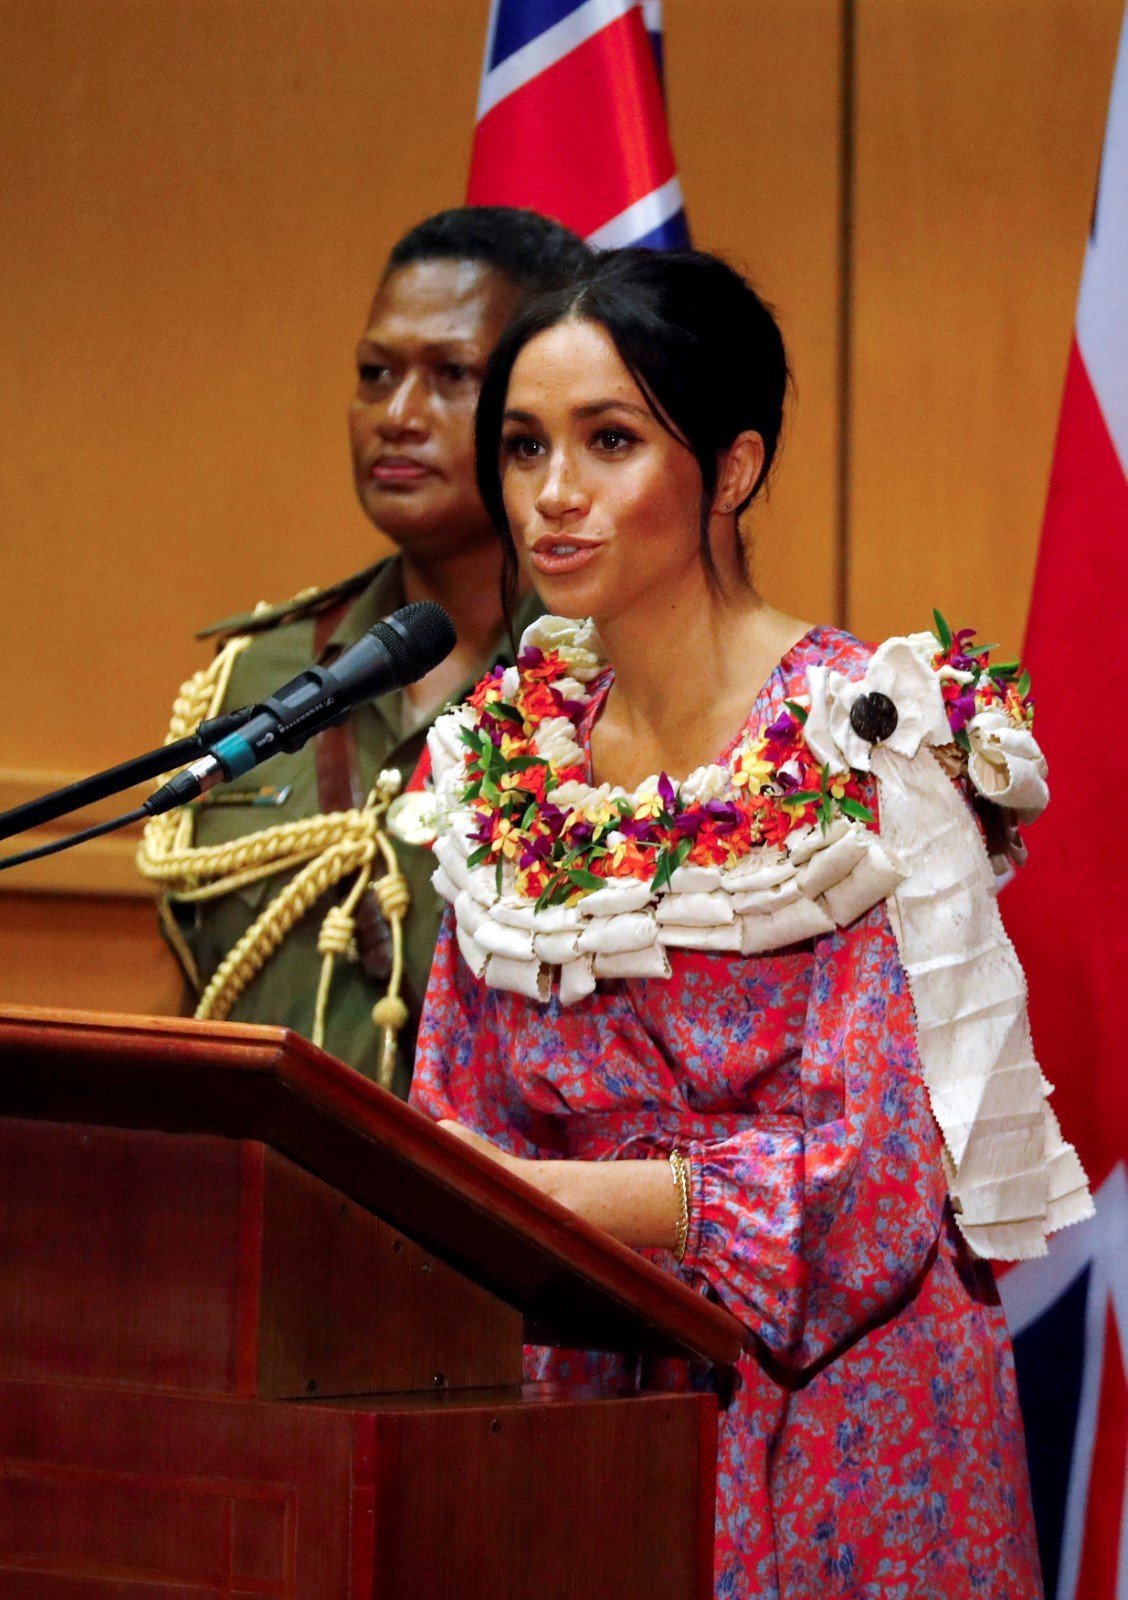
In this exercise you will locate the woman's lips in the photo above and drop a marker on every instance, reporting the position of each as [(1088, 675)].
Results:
[(393, 472), (557, 556)]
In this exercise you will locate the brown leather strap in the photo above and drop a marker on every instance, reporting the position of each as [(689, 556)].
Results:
[(341, 788)]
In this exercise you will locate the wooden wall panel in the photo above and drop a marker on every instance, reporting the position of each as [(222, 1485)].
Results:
[(978, 135), (88, 952), (197, 197), (755, 110)]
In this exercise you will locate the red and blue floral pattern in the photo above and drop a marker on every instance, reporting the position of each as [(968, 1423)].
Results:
[(874, 1446)]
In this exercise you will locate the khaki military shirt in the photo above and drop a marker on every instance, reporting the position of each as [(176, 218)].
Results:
[(285, 789)]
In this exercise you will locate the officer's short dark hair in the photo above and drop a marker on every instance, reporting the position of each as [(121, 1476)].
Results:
[(535, 252)]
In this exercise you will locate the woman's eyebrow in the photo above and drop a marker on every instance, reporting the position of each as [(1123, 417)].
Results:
[(592, 408), (465, 349), (595, 407)]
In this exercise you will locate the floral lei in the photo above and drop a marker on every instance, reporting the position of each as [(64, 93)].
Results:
[(556, 837)]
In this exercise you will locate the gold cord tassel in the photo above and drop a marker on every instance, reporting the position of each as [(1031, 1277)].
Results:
[(393, 898)]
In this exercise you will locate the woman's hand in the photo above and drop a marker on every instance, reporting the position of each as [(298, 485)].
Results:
[(479, 1142), (635, 1201)]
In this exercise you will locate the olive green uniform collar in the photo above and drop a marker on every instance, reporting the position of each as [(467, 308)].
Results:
[(385, 594)]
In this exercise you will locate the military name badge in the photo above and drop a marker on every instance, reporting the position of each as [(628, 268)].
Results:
[(266, 795), (413, 817)]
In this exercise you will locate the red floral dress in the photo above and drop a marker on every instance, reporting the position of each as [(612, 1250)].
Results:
[(874, 1446)]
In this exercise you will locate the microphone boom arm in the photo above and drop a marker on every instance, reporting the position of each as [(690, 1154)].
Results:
[(100, 785)]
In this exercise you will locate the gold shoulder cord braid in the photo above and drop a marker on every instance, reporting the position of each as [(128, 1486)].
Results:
[(321, 850)]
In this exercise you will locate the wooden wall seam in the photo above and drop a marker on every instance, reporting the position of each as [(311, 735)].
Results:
[(847, 32)]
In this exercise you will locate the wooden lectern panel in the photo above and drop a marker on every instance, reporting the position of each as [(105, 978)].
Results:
[(350, 1306), (107, 1494), (112, 1495), (216, 1266)]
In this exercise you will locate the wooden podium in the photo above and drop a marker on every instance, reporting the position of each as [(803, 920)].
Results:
[(260, 1336)]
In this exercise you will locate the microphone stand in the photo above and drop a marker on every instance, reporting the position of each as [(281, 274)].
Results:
[(60, 802)]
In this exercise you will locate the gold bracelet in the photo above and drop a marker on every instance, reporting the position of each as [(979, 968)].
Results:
[(679, 1166)]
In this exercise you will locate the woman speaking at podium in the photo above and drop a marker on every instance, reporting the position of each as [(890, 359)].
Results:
[(722, 969)]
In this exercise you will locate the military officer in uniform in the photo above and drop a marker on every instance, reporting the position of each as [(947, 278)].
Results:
[(300, 893)]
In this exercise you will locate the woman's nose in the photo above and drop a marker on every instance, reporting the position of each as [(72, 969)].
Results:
[(561, 492), (405, 409)]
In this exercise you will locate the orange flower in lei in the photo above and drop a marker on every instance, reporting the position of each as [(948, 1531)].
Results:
[(537, 703), (549, 666), (625, 859), (487, 690), (711, 848)]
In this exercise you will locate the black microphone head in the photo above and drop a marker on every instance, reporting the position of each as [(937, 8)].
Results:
[(417, 637)]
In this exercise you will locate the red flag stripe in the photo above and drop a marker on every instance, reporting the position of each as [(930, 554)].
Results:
[(1066, 910), (569, 151)]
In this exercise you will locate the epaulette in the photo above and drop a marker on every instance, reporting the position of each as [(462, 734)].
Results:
[(306, 603)]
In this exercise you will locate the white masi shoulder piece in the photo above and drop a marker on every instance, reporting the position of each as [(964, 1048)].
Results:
[(1012, 1177)]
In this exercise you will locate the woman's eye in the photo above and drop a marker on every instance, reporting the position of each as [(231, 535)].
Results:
[(521, 447), (614, 440), (455, 372), (369, 372)]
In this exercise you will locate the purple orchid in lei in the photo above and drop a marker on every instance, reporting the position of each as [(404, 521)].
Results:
[(532, 656), (536, 852), (483, 833), (780, 737), (957, 656), (782, 731), (642, 831), (667, 793), (492, 727), (692, 821), (962, 708)]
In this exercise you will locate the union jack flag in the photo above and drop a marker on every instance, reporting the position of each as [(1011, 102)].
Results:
[(571, 120), (1069, 1314)]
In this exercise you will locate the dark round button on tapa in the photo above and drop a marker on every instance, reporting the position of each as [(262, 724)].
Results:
[(873, 717)]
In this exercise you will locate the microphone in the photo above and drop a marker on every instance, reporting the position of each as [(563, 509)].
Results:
[(398, 651)]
